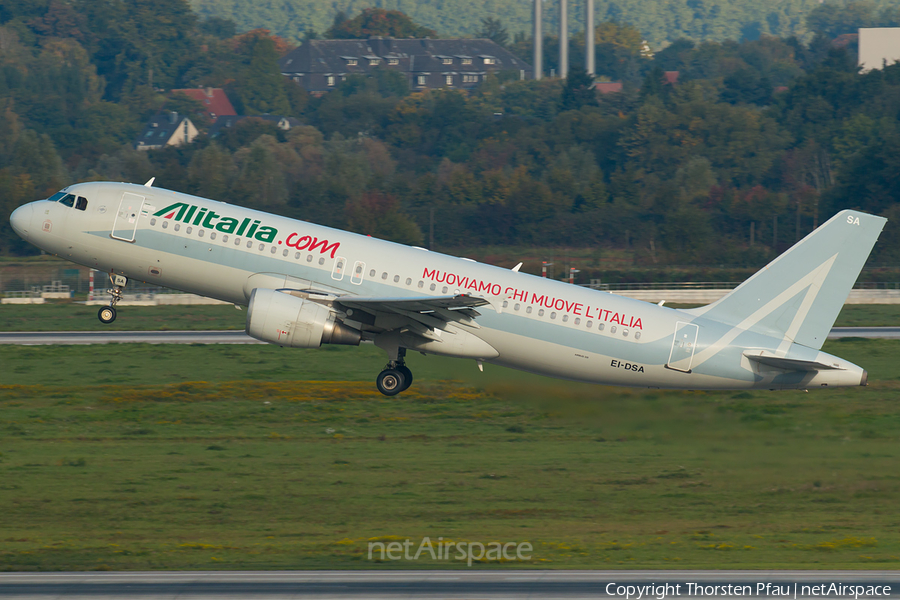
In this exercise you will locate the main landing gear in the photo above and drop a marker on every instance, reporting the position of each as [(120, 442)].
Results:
[(107, 314), (395, 377)]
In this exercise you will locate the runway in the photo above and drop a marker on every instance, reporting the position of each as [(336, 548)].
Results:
[(43, 338), (457, 584), (39, 338)]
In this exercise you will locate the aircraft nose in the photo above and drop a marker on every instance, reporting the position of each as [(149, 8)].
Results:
[(20, 219)]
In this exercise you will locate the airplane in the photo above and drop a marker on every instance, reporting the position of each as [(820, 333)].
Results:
[(305, 285)]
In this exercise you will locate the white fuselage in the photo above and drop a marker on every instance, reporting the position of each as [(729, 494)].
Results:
[(536, 324)]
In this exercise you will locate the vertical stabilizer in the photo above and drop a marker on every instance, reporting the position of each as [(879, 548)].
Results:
[(799, 294)]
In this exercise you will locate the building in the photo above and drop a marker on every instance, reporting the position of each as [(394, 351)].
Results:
[(878, 46), (283, 123), (608, 87), (321, 65), (166, 129), (213, 100)]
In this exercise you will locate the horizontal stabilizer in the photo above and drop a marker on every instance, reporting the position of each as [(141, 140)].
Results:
[(790, 364)]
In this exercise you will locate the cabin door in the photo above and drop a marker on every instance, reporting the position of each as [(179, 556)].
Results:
[(683, 343), (125, 225)]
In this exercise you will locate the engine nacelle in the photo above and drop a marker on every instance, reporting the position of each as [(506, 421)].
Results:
[(286, 320)]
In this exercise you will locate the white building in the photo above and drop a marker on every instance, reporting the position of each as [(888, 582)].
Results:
[(878, 46)]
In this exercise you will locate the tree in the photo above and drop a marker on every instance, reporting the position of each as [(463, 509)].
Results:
[(578, 91), (378, 22), (379, 215), (218, 27), (492, 29), (260, 86)]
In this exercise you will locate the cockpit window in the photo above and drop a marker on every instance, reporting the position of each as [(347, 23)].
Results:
[(68, 200), (81, 203), (56, 197)]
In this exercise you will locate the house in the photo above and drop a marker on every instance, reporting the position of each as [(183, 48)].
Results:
[(166, 129), (213, 100), (283, 123), (321, 65), (608, 87)]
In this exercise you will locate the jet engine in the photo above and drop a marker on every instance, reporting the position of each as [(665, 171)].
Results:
[(279, 318)]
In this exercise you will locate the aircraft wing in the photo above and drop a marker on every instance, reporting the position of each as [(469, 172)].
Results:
[(419, 314)]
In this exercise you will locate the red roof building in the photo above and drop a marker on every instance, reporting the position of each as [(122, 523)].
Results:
[(214, 100), (608, 87)]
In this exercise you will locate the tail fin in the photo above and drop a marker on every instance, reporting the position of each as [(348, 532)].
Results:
[(799, 294)]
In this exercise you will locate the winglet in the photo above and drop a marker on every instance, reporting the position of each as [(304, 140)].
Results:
[(150, 182), (517, 267)]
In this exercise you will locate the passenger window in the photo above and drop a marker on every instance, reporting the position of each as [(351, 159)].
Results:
[(81, 203), (68, 200)]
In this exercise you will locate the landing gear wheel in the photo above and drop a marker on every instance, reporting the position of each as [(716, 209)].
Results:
[(107, 314), (391, 382), (407, 376)]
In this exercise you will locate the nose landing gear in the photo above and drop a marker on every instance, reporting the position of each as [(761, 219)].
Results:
[(107, 314), (395, 377)]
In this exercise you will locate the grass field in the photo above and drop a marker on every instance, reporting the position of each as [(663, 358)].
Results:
[(70, 316), (226, 457)]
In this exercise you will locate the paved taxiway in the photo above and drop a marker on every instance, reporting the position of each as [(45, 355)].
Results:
[(335, 585), (37, 338)]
